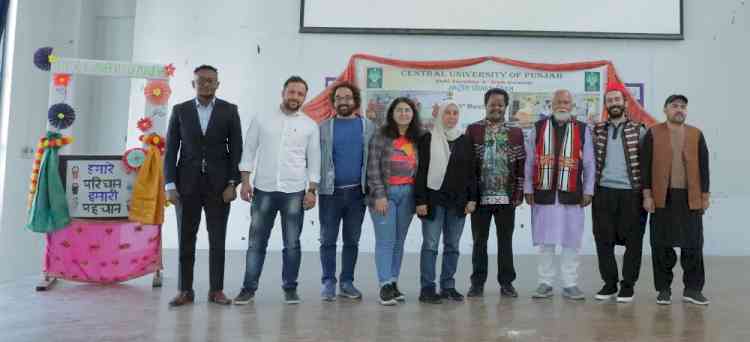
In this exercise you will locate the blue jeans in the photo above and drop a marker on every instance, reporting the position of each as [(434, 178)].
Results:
[(346, 207), (451, 225), (263, 214), (390, 232)]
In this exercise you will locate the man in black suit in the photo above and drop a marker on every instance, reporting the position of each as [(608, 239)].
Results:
[(206, 133)]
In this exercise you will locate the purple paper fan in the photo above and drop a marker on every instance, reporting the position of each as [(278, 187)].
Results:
[(41, 58), (61, 115)]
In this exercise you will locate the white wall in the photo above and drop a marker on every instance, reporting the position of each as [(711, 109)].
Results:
[(75, 29), (105, 31), (24, 124), (255, 45)]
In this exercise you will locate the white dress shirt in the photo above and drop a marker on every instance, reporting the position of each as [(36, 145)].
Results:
[(283, 151), (204, 113)]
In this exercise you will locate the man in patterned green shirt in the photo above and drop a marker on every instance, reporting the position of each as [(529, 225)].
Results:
[(500, 154)]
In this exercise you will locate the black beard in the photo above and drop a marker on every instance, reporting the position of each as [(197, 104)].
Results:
[(613, 115), (344, 112)]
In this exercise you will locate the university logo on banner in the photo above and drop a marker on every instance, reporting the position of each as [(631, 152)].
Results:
[(374, 78), (593, 81)]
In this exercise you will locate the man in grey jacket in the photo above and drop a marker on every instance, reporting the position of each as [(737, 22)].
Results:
[(344, 140)]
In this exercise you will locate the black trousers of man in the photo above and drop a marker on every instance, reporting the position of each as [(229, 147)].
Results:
[(188, 220), (676, 225), (618, 219), (505, 216)]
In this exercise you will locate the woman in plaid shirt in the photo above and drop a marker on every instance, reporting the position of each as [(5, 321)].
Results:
[(391, 173)]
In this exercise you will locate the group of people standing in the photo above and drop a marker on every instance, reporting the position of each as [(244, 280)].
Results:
[(288, 163)]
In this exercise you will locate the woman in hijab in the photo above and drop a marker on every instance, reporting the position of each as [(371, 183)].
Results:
[(445, 186)]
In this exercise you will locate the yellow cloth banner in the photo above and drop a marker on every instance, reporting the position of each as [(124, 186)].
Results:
[(148, 199)]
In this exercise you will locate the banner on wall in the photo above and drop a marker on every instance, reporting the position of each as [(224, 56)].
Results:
[(465, 81)]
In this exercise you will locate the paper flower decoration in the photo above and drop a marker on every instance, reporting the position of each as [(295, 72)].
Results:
[(56, 142), (133, 159), (154, 139), (61, 80), (157, 92), (43, 58), (169, 70), (61, 115), (145, 124)]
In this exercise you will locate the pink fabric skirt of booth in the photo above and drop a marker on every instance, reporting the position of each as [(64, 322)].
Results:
[(103, 251)]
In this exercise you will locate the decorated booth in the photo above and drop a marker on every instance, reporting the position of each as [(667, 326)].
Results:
[(101, 214)]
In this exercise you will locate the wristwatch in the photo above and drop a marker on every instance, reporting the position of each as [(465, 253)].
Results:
[(313, 191), (231, 183)]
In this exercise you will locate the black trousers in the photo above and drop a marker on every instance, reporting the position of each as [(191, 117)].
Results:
[(618, 219), (691, 260), (505, 216), (676, 225), (188, 220)]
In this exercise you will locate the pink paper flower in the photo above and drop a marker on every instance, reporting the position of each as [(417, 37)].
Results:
[(145, 124), (157, 92), (169, 70)]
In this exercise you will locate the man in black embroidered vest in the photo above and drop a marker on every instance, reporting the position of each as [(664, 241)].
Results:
[(618, 217)]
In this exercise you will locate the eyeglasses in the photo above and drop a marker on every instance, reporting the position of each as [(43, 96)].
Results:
[(343, 99), (204, 81)]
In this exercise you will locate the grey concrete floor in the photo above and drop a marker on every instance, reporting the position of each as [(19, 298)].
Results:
[(133, 311)]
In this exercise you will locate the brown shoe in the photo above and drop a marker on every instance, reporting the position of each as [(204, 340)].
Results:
[(182, 298), (218, 297)]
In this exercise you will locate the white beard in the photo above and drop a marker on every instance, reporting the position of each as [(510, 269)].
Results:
[(561, 116)]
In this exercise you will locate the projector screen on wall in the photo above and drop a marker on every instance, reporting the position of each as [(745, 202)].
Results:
[(639, 19)]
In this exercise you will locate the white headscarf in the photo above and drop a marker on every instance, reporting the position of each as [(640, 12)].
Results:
[(440, 152)]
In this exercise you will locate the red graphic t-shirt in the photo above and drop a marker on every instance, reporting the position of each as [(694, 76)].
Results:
[(403, 162)]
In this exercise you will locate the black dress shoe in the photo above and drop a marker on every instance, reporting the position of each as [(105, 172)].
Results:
[(475, 291), (508, 291)]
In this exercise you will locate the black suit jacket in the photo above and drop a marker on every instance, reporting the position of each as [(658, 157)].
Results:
[(221, 147)]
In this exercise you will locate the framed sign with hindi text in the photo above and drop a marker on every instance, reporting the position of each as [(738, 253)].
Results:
[(96, 187)]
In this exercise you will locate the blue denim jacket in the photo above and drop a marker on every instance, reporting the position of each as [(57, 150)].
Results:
[(327, 172)]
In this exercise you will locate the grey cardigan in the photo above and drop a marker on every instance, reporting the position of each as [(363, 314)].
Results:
[(327, 169)]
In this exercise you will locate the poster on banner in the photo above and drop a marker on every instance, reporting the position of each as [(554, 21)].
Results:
[(96, 187), (636, 89), (328, 81), (530, 90)]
